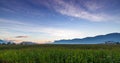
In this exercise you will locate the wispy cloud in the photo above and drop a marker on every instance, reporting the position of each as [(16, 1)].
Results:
[(87, 10), (93, 5), (20, 8), (6, 21), (7, 10), (73, 10)]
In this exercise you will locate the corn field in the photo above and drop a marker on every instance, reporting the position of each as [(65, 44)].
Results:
[(50, 53)]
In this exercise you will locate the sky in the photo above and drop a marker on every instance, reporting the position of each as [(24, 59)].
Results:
[(44, 21)]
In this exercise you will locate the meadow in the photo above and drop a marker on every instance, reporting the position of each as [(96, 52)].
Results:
[(50, 53)]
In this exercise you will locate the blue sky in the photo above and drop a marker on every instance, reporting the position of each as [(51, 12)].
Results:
[(44, 21)]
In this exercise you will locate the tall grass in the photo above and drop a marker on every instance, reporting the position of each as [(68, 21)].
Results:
[(60, 53)]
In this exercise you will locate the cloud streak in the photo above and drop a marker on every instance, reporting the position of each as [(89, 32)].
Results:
[(6, 21), (21, 37), (88, 10), (70, 9), (20, 8)]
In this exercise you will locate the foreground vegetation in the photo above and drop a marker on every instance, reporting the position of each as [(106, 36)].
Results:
[(59, 53)]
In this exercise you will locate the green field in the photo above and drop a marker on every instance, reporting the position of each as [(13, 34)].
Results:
[(59, 53)]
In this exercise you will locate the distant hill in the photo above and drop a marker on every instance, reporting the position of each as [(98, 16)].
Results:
[(6, 42), (2, 41), (92, 40), (27, 43)]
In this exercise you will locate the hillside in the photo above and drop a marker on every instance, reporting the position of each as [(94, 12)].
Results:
[(92, 40)]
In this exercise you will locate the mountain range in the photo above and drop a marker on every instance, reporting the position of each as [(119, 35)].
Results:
[(2, 41), (11, 42), (115, 37)]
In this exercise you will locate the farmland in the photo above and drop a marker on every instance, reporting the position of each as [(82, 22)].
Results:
[(50, 53)]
